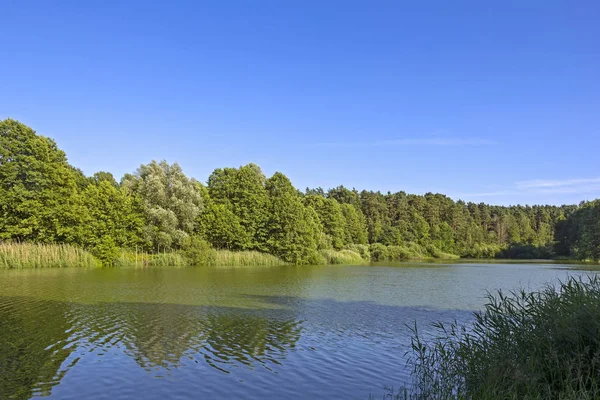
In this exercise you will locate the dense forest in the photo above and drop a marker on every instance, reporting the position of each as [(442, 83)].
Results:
[(43, 199)]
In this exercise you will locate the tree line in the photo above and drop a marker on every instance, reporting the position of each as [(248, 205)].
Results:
[(158, 208)]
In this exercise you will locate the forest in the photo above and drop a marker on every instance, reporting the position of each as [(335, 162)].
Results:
[(159, 210)]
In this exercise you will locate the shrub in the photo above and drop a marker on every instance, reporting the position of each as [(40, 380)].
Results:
[(198, 252), (106, 251), (342, 257), (398, 253), (361, 249), (416, 250), (481, 250), (379, 252)]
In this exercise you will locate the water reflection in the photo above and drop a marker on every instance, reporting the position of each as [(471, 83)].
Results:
[(33, 346), (39, 336), (213, 333)]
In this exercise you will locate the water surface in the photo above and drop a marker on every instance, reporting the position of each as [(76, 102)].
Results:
[(222, 333)]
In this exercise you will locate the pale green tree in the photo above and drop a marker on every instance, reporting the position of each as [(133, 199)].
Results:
[(171, 203)]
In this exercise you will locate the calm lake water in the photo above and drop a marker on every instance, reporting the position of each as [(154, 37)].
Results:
[(336, 332)]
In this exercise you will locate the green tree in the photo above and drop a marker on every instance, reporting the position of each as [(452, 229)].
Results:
[(171, 203), (345, 196), (355, 224), (103, 176), (222, 228), (113, 218), (243, 192), (292, 229), (38, 189), (374, 208), (331, 217)]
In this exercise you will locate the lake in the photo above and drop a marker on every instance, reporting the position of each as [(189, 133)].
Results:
[(221, 333)]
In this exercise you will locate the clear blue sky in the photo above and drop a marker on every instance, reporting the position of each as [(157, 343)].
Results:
[(495, 101)]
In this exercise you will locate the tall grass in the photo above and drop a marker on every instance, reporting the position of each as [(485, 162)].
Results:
[(228, 258), (344, 256), (541, 345), (32, 255), (246, 258), (407, 251), (128, 258), (172, 259)]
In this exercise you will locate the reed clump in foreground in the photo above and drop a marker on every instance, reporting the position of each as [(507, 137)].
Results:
[(541, 345), (38, 255)]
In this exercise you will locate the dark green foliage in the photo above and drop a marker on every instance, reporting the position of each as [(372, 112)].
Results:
[(355, 228), (543, 345), (243, 192), (525, 252), (331, 218), (292, 228), (579, 235), (44, 199), (222, 228)]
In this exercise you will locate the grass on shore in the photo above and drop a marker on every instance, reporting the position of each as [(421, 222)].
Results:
[(227, 258), (344, 256), (37, 255), (541, 345)]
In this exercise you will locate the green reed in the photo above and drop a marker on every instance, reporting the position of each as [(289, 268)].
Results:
[(228, 258), (37, 255), (344, 256), (246, 258), (541, 345)]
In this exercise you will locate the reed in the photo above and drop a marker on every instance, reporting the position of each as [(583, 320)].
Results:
[(246, 258), (541, 345), (345, 256), (38, 255), (227, 258)]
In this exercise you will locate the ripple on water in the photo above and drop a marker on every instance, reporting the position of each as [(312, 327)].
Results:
[(288, 333)]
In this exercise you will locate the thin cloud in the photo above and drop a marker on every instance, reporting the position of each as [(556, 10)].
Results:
[(540, 186), (490, 194), (414, 142), (540, 183), (439, 142)]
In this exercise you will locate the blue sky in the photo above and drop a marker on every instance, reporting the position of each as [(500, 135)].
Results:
[(495, 101)]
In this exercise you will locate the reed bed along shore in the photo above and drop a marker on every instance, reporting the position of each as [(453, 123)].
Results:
[(37, 255), (224, 258)]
